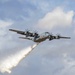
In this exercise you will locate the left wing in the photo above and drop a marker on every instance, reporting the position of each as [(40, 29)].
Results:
[(18, 31), (27, 33)]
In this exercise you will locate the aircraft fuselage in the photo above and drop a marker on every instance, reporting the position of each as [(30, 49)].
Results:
[(41, 39)]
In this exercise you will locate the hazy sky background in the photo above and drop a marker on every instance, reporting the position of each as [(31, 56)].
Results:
[(55, 57)]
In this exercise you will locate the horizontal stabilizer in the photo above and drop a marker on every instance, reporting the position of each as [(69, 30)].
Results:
[(25, 38)]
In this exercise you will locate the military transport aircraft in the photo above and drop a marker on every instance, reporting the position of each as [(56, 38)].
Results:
[(37, 37)]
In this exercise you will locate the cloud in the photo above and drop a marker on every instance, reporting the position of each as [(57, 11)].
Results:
[(4, 37), (69, 65), (4, 23), (74, 26), (57, 17)]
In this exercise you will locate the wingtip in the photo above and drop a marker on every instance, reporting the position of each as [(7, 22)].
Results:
[(10, 29), (68, 37)]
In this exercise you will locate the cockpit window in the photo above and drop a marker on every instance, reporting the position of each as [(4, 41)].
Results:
[(45, 34)]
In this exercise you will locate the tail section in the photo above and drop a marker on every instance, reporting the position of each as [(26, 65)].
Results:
[(25, 38)]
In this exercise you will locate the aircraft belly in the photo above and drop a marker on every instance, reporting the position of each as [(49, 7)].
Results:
[(40, 40)]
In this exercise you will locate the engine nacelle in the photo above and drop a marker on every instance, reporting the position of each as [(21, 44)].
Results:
[(50, 37), (27, 34), (58, 37)]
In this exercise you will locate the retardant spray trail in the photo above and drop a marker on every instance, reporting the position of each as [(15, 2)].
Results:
[(12, 61)]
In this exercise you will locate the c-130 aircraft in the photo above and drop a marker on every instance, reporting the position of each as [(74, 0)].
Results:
[(36, 37)]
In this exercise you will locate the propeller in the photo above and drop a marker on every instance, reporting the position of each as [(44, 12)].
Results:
[(27, 33), (35, 33), (51, 36), (58, 36)]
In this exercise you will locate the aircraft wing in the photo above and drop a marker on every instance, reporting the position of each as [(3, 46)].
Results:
[(64, 37), (27, 33), (17, 31), (57, 37)]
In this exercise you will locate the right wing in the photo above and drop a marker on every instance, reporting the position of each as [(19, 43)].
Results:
[(51, 37), (65, 37)]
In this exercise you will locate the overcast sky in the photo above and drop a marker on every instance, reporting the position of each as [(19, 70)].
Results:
[(55, 57)]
